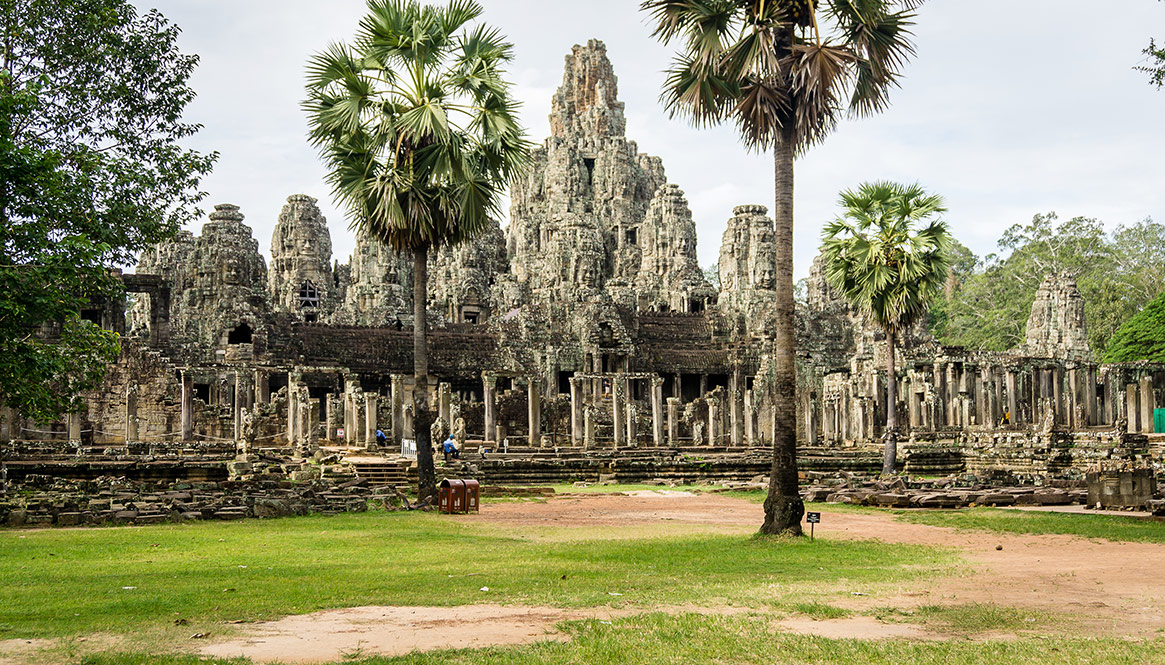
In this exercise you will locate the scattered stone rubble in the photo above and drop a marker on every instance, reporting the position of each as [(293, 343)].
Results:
[(46, 501)]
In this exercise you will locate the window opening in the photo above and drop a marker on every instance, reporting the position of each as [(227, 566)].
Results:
[(240, 335), (309, 295)]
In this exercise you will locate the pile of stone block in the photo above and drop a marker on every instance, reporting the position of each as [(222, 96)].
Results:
[(110, 500), (949, 492)]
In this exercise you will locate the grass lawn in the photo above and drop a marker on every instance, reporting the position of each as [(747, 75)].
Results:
[(658, 638), (1109, 527), (63, 582)]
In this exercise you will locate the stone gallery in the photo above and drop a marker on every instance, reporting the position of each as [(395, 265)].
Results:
[(583, 339)]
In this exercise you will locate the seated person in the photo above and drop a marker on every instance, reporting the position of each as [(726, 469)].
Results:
[(450, 447)]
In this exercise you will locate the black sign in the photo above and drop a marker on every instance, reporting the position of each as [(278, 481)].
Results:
[(813, 518)]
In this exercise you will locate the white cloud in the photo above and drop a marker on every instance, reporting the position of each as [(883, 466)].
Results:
[(1009, 109)]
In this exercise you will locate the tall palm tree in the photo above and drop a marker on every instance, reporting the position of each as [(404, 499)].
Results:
[(887, 269), (419, 133), (783, 71)]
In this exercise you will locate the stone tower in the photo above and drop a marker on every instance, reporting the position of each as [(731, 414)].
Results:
[(1056, 327), (380, 290), (217, 281), (747, 265), (461, 278), (580, 218), (300, 279)]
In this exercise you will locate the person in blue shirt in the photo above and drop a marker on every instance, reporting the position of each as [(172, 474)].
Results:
[(450, 447), (380, 438)]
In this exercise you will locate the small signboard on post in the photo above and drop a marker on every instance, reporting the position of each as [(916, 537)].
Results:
[(812, 519)]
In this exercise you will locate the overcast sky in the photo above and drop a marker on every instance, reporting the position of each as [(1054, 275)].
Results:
[(1010, 109)]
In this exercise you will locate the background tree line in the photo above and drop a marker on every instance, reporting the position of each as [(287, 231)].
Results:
[(986, 301)]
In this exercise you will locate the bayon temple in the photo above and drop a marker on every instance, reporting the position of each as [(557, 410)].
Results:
[(581, 340)]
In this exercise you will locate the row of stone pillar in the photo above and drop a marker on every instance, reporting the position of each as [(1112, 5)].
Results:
[(962, 395)]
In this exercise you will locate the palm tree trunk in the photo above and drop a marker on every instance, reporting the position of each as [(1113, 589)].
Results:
[(783, 506), (891, 453), (426, 475)]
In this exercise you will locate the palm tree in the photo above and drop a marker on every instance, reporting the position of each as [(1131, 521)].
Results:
[(783, 71), (887, 269), (420, 136)]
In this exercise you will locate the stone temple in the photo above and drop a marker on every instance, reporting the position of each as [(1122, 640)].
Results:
[(582, 341)]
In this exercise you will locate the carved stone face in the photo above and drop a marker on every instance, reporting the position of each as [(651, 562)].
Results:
[(588, 276), (764, 276), (232, 273)]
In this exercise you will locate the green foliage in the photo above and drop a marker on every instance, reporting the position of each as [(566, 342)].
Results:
[(416, 124), (91, 172), (878, 260), (1141, 337), (1155, 68), (1117, 274), (72, 582), (778, 67)]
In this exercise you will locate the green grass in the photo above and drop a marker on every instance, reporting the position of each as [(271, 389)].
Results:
[(818, 610), (743, 640), (1114, 527), (1108, 527), (121, 580), (970, 618), (615, 489)]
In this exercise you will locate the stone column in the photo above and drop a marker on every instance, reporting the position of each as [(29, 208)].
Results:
[(713, 421), (310, 422), (1074, 399), (1056, 376), (1012, 398), (576, 411), (444, 397), (396, 389), (262, 387), (618, 409), (673, 421), (632, 434), (489, 384), (588, 426), (74, 424), (186, 417), (1148, 404), (735, 407), (407, 422), (750, 419), (131, 415), (371, 400), (238, 404), (1131, 408), (657, 410), (534, 408), (331, 406), (292, 409), (1110, 397), (1089, 396)]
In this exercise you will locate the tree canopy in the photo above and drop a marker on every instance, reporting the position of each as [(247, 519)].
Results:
[(1118, 273), (879, 260), (1141, 337), (91, 172)]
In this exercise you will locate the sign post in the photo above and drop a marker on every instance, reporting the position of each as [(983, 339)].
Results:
[(812, 519)]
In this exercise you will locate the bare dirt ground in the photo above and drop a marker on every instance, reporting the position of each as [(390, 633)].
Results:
[(1112, 589)]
